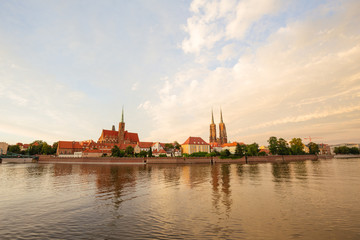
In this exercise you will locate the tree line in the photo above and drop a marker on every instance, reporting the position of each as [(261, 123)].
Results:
[(36, 147), (346, 150), (281, 147)]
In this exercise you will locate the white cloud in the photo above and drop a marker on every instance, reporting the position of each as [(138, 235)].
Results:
[(135, 86), (215, 20), (303, 73)]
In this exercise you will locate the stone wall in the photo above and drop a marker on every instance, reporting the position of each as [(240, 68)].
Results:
[(182, 160)]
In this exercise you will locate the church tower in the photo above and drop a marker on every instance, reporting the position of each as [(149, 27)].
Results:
[(222, 130), (212, 138), (121, 135)]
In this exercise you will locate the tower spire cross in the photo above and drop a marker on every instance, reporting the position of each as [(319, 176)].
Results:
[(212, 116), (122, 115), (221, 118)]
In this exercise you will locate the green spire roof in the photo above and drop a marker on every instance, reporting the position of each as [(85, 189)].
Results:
[(122, 115), (212, 116), (221, 116)]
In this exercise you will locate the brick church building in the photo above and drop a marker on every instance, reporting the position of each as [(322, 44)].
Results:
[(118, 137), (213, 140)]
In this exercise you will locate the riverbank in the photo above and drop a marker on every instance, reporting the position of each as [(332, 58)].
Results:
[(180, 160), (343, 156)]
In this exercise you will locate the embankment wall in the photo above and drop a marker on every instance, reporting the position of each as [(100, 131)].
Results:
[(182, 160)]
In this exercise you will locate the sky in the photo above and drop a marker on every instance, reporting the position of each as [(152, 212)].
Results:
[(275, 68)]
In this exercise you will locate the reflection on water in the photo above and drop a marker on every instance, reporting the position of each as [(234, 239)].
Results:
[(281, 172), (310, 199)]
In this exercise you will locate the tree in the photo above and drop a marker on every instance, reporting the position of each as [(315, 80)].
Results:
[(283, 147), (177, 145), (297, 147), (198, 154), (240, 150), (225, 153), (252, 149), (115, 151), (211, 154), (354, 150), (168, 146), (162, 155), (142, 154), (150, 152), (313, 148), (14, 149), (273, 145), (129, 151), (46, 149), (54, 147)]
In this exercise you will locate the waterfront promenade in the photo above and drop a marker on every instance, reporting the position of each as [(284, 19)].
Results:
[(181, 160)]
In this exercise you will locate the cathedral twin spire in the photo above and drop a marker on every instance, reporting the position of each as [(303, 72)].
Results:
[(222, 130)]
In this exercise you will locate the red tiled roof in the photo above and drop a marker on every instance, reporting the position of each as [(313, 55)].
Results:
[(26, 145), (161, 151), (195, 141), (19, 144), (145, 144), (96, 151), (124, 146), (68, 145), (132, 137), (233, 144), (109, 133)]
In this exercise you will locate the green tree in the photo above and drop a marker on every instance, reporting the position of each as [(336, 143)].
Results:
[(283, 147), (354, 150), (198, 154), (252, 149), (296, 146), (129, 151), (240, 150), (225, 153), (313, 148), (273, 145), (150, 152), (211, 154), (45, 149), (177, 145), (162, 155), (54, 147), (168, 146), (14, 149), (115, 151), (142, 154)]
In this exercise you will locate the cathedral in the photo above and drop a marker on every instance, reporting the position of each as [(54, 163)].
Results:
[(222, 131), (118, 137)]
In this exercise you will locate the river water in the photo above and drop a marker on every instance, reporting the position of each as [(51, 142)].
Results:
[(298, 200)]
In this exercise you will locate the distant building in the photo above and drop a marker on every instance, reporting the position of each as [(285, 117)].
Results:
[(324, 149), (195, 144), (121, 136), (264, 149), (68, 148), (157, 153), (157, 146), (222, 131), (95, 153), (231, 146), (3, 147), (143, 146)]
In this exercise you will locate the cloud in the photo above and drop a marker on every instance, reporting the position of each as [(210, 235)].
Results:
[(305, 71), (135, 86), (213, 21)]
